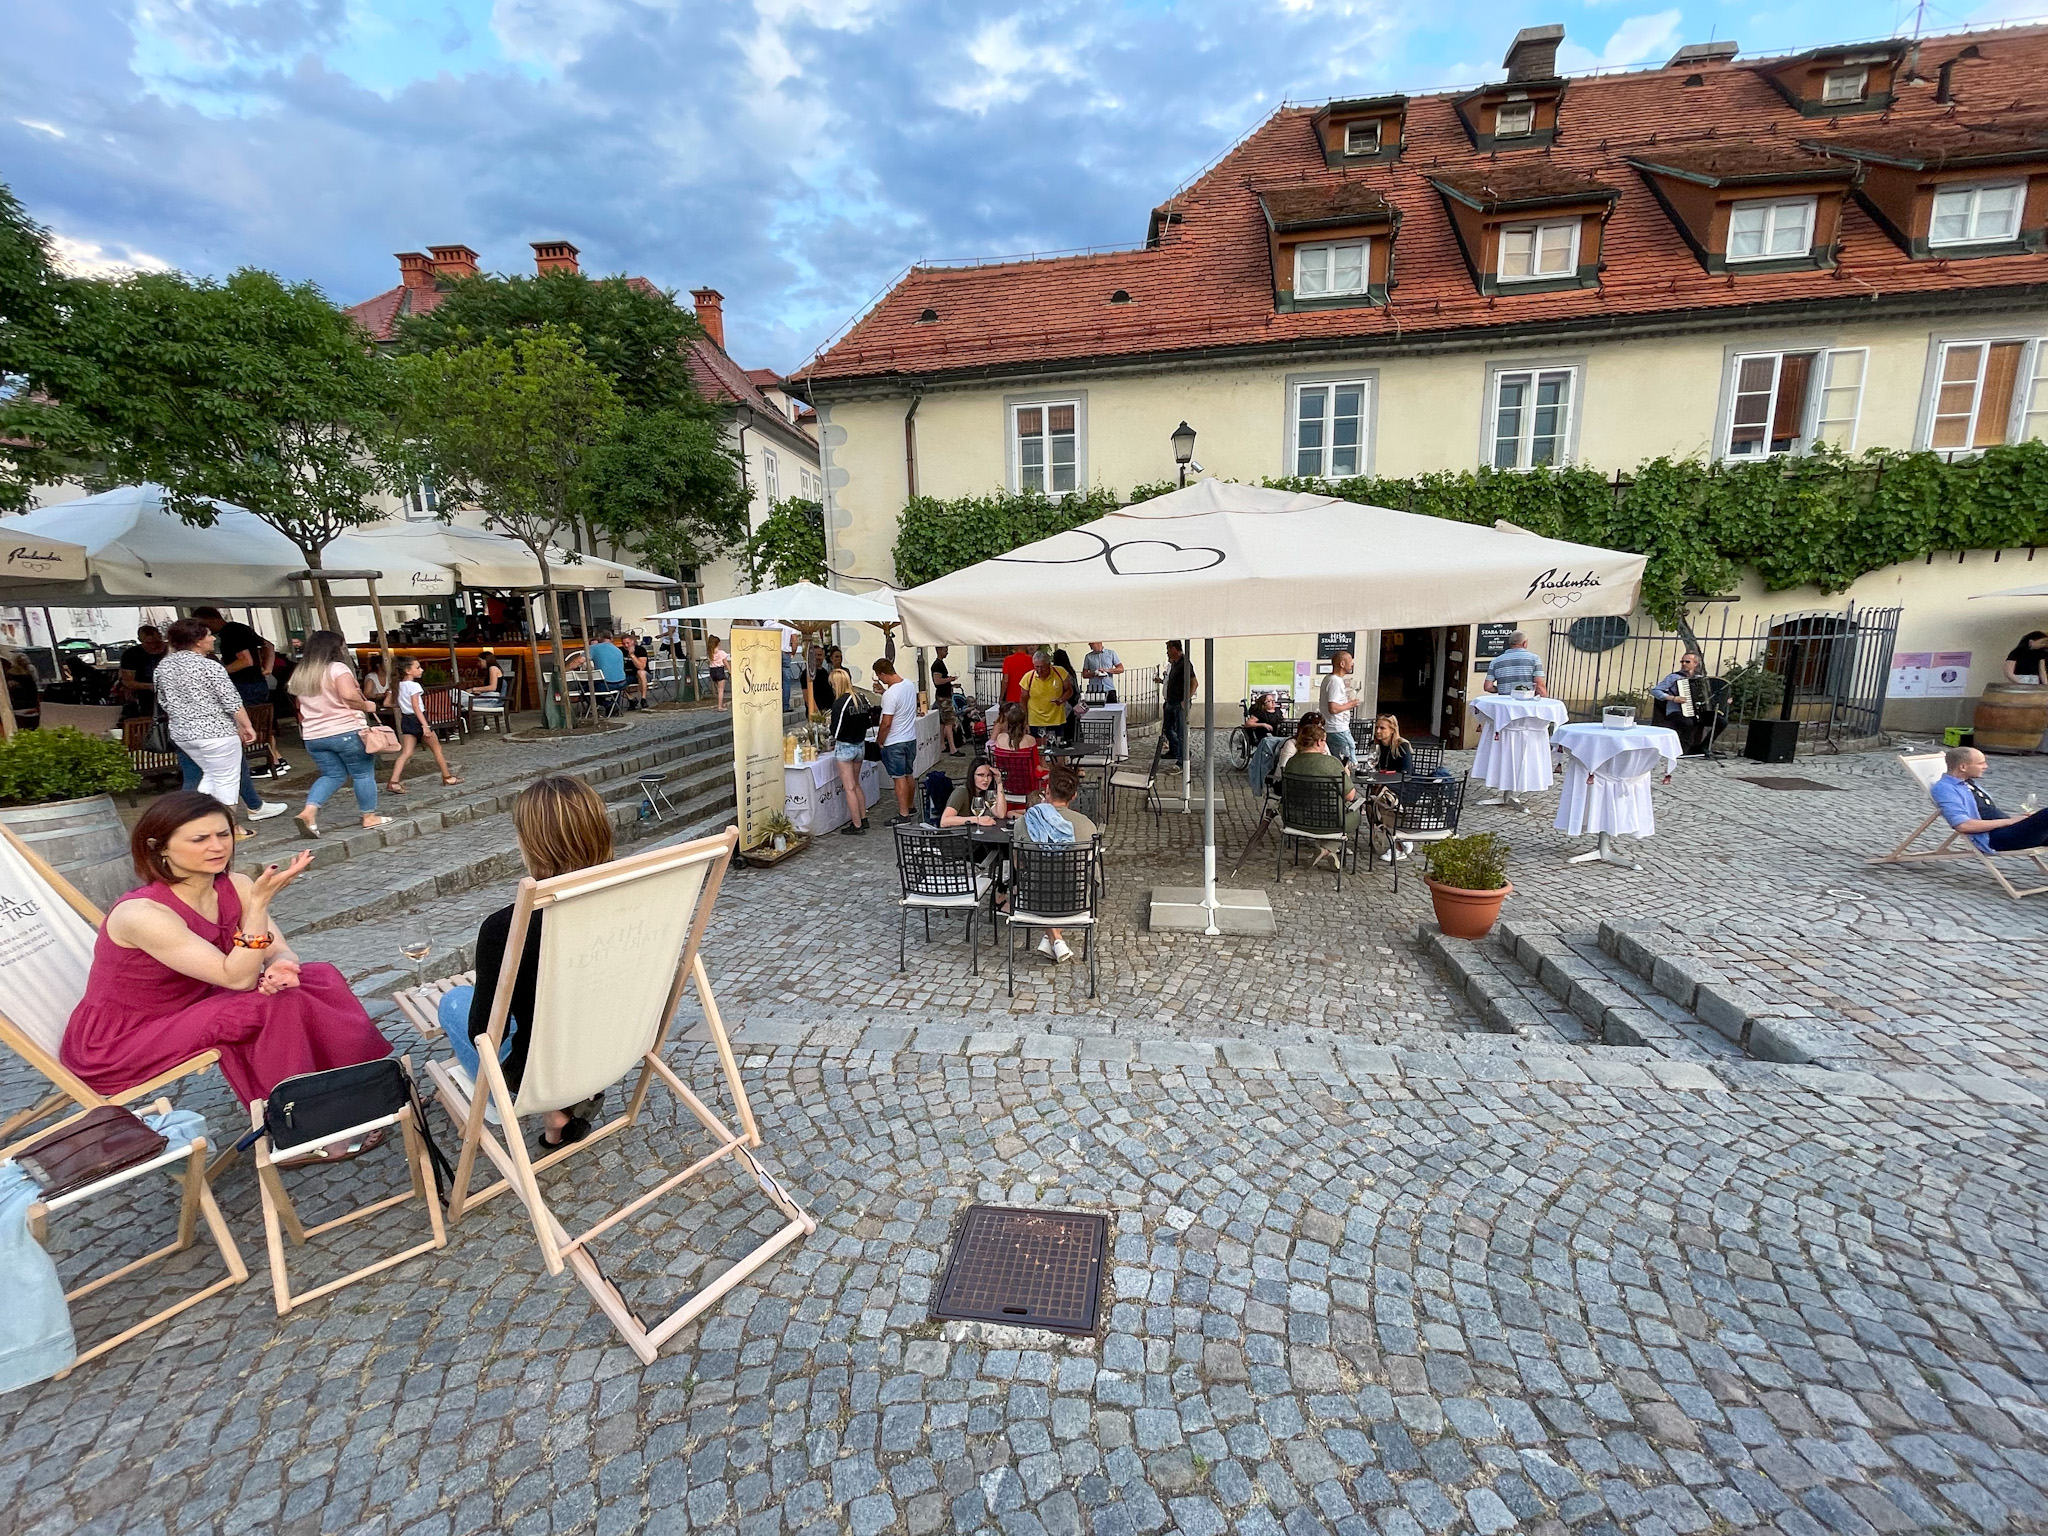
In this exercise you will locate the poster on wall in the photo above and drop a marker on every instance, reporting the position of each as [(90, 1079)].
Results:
[(1331, 641), (1949, 675), (1492, 641), (756, 728), (1909, 675)]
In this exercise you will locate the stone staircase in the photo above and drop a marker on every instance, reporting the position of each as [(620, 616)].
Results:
[(450, 856)]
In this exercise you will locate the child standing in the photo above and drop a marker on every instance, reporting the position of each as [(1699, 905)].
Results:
[(721, 661), (413, 727)]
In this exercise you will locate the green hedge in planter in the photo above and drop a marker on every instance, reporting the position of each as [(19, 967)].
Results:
[(37, 767), (1475, 863)]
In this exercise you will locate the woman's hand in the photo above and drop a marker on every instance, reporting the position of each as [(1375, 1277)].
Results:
[(276, 877), (280, 975)]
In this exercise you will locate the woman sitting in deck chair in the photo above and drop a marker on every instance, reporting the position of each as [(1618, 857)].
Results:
[(561, 826), (192, 962)]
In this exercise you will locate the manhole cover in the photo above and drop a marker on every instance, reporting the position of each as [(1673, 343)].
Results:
[(1031, 1269), (1770, 783)]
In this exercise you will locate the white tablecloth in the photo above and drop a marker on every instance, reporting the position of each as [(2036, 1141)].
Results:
[(1514, 741), (929, 740), (1607, 777), (815, 801), (1117, 712)]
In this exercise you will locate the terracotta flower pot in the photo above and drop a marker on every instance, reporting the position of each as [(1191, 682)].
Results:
[(1463, 914)]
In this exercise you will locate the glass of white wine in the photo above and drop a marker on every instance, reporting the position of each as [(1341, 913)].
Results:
[(416, 951)]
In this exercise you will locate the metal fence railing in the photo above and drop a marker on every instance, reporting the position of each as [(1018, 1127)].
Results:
[(1827, 670)]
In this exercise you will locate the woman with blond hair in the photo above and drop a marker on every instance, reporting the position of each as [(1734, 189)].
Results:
[(1390, 752), (562, 826)]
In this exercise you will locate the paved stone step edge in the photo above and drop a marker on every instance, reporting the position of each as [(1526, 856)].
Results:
[(1615, 1013), (1377, 1066)]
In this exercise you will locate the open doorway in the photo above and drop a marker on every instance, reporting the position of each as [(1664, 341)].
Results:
[(1411, 678)]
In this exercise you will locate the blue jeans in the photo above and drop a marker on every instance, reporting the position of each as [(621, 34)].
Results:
[(453, 1015), (899, 758), (1173, 725), (1341, 745), (342, 760), (2031, 833), (189, 777)]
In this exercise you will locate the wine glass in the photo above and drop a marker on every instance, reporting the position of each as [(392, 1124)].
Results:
[(416, 950)]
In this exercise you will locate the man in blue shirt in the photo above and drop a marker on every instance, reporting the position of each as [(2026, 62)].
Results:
[(1967, 808), (610, 663), (1516, 667)]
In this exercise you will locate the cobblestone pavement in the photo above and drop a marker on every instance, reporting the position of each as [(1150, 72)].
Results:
[(1480, 1293)]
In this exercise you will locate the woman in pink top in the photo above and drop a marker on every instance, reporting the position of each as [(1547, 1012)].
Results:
[(191, 962), (721, 662), (331, 710)]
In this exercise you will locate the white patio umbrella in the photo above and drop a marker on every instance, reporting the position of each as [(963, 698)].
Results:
[(1219, 559), (480, 558), (804, 602), (2034, 591)]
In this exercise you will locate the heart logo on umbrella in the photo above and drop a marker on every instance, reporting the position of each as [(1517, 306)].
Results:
[(1136, 557)]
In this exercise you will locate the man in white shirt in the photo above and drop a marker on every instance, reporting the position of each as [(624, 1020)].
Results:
[(898, 734), (1099, 671), (1339, 695)]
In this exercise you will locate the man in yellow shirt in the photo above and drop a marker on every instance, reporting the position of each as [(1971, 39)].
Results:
[(1046, 691)]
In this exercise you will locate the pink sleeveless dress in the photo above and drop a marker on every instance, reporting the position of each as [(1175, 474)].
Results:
[(139, 1017)]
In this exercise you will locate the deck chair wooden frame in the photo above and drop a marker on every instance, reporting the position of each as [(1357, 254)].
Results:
[(66, 1086), (281, 1217), (1926, 767), (518, 1170), (195, 1202)]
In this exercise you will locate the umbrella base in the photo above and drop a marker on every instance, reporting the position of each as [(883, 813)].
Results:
[(1179, 909)]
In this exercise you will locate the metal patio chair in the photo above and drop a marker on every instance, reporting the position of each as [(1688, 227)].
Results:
[(1312, 810), (1054, 885), (936, 867)]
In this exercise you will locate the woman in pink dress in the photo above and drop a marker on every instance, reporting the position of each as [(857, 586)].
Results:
[(191, 962)]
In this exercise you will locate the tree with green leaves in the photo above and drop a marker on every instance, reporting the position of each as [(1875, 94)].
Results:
[(789, 546), (665, 484), (513, 428), (40, 436), (251, 391)]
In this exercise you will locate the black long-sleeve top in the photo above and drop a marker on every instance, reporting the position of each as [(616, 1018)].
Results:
[(491, 935)]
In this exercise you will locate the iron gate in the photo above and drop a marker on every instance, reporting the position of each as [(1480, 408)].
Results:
[(1825, 669)]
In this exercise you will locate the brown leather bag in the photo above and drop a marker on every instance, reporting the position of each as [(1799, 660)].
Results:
[(100, 1142)]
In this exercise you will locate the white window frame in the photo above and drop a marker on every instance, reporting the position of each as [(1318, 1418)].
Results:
[(1831, 412), (1536, 229), (1371, 125), (1327, 250), (1328, 388), (2027, 416), (1501, 131), (1013, 408), (1566, 435), (1974, 190), (771, 476), (422, 502), (1809, 208), (1855, 74)]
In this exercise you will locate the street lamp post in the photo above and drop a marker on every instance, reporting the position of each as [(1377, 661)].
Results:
[(1183, 449)]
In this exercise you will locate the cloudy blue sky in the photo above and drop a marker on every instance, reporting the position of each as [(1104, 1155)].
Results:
[(796, 154)]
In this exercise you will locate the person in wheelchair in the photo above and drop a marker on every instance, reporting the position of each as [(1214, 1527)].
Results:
[(1262, 718)]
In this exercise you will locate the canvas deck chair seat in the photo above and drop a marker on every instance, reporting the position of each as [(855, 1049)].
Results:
[(46, 938), (1926, 767), (618, 944)]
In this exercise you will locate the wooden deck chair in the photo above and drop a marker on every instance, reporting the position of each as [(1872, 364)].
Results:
[(46, 939), (1926, 767), (619, 944), (195, 1202), (281, 1217)]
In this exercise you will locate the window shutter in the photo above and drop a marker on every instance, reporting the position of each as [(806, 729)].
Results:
[(1789, 419), (1994, 405)]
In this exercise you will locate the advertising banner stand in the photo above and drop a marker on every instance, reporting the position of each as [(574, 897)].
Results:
[(756, 730)]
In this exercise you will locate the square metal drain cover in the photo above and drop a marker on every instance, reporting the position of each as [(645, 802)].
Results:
[(1771, 783), (1029, 1269)]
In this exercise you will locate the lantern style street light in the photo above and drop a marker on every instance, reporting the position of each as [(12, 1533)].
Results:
[(1183, 449)]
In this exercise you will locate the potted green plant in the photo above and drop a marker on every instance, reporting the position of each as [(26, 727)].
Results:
[(1468, 881), (778, 831), (56, 790)]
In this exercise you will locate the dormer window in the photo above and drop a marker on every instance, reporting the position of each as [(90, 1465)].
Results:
[(1770, 229), (1532, 252), (1364, 129), (1841, 87), (1327, 270), (1975, 213), (1362, 138), (1515, 120)]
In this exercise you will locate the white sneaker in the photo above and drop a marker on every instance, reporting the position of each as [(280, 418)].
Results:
[(1044, 946), (268, 809), (1403, 849), (1060, 951)]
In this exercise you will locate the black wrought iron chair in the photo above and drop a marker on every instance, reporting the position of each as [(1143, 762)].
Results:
[(1425, 811), (1094, 740), (1146, 779), (1054, 885), (1312, 810), (936, 866), (1094, 790), (1425, 759)]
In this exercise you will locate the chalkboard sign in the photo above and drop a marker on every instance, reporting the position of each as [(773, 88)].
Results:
[(1493, 640), (1330, 642)]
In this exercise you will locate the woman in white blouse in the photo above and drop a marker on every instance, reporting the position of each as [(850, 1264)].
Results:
[(205, 714)]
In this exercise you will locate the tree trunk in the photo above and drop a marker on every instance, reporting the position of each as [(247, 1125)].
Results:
[(323, 595), (547, 586)]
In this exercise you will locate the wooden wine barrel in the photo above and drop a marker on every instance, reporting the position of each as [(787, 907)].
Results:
[(2011, 718), (83, 840)]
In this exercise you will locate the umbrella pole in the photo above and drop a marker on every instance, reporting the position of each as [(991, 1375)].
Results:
[(384, 645), (1187, 764), (1209, 789)]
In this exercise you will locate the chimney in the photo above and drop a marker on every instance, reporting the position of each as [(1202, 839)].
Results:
[(1533, 53), (711, 314), (415, 269), (553, 256), (453, 260), (1704, 55)]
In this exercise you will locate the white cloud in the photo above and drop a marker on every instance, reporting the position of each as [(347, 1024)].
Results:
[(551, 32), (1008, 68), (1638, 40), (88, 258), (50, 128)]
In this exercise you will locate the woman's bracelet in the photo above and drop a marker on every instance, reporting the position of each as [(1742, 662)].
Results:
[(254, 940)]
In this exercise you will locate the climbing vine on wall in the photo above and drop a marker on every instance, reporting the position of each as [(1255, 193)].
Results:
[(1821, 520)]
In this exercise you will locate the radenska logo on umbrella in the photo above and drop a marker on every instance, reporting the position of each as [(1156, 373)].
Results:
[(1562, 589)]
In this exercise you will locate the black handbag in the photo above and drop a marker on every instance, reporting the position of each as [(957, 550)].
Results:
[(317, 1107), (157, 739)]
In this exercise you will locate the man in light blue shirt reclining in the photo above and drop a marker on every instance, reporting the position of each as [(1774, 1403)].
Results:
[(1967, 808)]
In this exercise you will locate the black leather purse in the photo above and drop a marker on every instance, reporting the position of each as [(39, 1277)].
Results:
[(317, 1107)]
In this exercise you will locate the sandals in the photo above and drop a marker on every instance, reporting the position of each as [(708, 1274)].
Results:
[(449, 778), (398, 789), (573, 1132), (338, 1151), (306, 828)]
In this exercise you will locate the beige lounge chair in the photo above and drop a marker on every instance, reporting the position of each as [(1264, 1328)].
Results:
[(195, 1201), (619, 944), (46, 938), (1926, 767)]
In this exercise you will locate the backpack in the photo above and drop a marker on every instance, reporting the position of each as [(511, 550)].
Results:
[(938, 789)]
